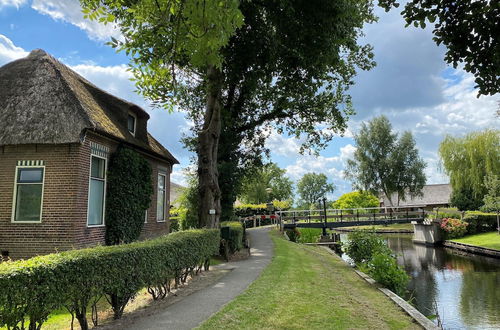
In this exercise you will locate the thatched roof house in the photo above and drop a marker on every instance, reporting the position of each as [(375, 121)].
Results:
[(433, 195), (55, 126)]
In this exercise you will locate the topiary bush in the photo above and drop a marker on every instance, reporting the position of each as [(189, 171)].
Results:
[(480, 222), (363, 244), (32, 289), (129, 190), (235, 235)]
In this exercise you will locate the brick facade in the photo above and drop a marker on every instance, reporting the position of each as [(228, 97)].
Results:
[(65, 199)]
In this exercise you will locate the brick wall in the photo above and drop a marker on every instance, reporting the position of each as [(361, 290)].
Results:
[(64, 212)]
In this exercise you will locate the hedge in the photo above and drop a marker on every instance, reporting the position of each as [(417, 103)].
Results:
[(32, 289), (235, 235), (480, 222), (247, 210)]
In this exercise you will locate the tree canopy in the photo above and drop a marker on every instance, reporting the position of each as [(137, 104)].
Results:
[(468, 161), (356, 199), (312, 187), (468, 29), (385, 163), (265, 184)]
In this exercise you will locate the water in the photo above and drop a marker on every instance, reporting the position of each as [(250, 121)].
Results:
[(465, 288)]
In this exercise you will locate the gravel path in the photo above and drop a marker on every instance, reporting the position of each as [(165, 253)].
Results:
[(199, 306)]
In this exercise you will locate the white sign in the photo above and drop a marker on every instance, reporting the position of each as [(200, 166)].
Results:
[(211, 211)]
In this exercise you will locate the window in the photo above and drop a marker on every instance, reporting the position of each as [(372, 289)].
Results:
[(131, 124), (28, 194), (161, 197), (97, 191)]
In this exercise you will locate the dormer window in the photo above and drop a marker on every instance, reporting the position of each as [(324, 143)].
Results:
[(131, 123)]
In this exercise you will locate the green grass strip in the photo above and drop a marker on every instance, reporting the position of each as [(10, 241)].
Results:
[(489, 240), (305, 287)]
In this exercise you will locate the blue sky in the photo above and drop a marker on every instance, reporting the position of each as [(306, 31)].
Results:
[(411, 85)]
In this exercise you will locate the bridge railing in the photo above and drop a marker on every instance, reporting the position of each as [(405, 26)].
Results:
[(349, 215)]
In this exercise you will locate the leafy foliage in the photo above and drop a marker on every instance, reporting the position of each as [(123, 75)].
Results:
[(309, 235), (356, 199), (467, 29), (235, 235), (468, 161), (33, 288), (189, 203), (313, 186), (384, 269), (480, 222), (363, 244), (492, 198), (269, 176), (247, 210), (382, 162), (129, 190), (293, 234), (454, 228)]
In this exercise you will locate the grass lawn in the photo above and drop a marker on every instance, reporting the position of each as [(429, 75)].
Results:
[(392, 226), (488, 240), (305, 287)]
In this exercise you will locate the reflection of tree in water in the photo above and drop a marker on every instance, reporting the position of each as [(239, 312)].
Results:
[(418, 261), (480, 298)]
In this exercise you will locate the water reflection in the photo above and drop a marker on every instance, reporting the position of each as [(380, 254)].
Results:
[(465, 288)]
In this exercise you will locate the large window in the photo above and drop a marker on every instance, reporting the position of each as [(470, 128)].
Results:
[(28, 194), (97, 191), (161, 197)]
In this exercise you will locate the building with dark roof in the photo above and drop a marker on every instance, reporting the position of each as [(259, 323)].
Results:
[(57, 131), (433, 195)]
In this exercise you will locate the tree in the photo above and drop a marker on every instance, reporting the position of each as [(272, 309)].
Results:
[(356, 199), (384, 163), (171, 44), (312, 187), (288, 69), (492, 198), (468, 161), (468, 29), (269, 176)]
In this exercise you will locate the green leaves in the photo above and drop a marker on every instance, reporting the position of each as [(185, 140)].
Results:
[(312, 187), (33, 288)]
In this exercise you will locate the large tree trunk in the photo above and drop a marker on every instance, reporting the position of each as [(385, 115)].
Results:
[(208, 142)]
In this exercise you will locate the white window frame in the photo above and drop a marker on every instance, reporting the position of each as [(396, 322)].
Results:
[(105, 189), (14, 198), (135, 123), (164, 197)]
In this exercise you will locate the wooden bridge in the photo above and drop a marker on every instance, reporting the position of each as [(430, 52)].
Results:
[(335, 218)]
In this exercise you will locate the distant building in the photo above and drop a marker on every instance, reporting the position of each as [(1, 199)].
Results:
[(434, 195)]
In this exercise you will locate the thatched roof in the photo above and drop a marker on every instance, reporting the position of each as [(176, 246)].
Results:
[(433, 194), (42, 101)]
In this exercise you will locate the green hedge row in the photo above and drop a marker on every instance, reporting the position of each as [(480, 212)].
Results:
[(480, 222), (233, 232), (32, 289)]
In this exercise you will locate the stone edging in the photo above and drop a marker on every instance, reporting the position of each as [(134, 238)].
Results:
[(472, 249), (378, 231), (409, 309)]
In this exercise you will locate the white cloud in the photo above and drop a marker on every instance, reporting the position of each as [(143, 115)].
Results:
[(9, 51), (12, 3), (70, 11), (281, 145)]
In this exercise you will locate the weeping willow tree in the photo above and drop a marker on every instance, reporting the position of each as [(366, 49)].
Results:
[(468, 161)]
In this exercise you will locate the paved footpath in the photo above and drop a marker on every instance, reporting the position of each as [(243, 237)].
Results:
[(199, 306)]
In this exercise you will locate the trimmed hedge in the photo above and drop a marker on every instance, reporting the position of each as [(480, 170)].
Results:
[(236, 235), (480, 222), (32, 289)]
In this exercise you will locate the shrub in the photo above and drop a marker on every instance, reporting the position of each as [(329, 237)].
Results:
[(235, 233), (480, 222), (363, 244), (309, 235), (293, 234), (454, 228), (384, 269), (32, 289), (129, 190), (356, 199)]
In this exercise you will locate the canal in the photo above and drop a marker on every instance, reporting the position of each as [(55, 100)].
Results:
[(464, 289)]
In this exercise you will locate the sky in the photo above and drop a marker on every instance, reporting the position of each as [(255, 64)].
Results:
[(411, 85)]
